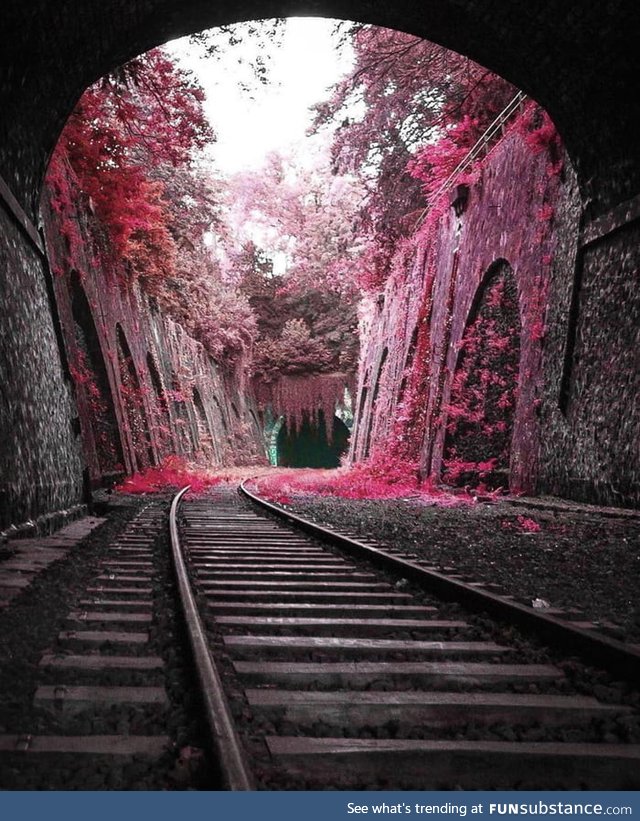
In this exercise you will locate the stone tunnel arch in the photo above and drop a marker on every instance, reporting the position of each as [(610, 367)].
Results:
[(580, 61), (480, 414), (99, 428), (137, 424), (592, 78)]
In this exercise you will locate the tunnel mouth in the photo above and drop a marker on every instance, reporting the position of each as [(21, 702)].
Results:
[(308, 446)]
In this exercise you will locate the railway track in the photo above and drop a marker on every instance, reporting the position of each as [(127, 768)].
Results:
[(332, 672), (99, 705), (322, 663)]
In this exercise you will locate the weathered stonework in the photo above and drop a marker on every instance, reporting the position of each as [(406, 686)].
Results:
[(596, 415), (523, 211), (579, 60), (40, 457), (144, 388)]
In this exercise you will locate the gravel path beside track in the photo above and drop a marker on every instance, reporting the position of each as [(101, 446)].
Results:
[(39, 655), (575, 560)]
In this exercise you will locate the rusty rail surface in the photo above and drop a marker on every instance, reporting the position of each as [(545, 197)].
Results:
[(340, 675)]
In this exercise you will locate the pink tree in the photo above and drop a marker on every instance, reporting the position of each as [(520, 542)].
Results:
[(129, 150), (402, 94), (303, 217)]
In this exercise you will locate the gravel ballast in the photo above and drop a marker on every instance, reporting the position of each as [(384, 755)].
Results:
[(30, 629), (560, 557)]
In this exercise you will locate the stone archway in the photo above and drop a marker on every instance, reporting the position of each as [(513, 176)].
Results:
[(480, 413), (137, 423), (99, 425)]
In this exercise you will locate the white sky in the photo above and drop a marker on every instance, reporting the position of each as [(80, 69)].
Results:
[(301, 72)]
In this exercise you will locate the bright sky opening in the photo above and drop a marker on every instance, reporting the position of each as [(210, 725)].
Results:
[(302, 70)]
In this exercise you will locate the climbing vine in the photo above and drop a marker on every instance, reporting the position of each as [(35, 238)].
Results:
[(483, 396)]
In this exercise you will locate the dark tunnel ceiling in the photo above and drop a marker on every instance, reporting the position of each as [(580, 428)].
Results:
[(579, 60)]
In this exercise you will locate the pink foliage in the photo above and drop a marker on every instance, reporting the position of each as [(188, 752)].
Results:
[(523, 524), (545, 214), (435, 163), (483, 392), (308, 217), (121, 182), (88, 387), (297, 397), (413, 91), (528, 525), (173, 473), (540, 133), (374, 479), (457, 469)]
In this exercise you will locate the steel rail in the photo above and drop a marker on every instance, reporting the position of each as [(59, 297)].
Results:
[(234, 770), (594, 648)]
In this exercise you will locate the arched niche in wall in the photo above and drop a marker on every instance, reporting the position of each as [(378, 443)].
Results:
[(90, 375), (132, 400), (308, 445), (185, 443), (408, 363), (205, 437), (482, 403), (374, 398), (162, 429)]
